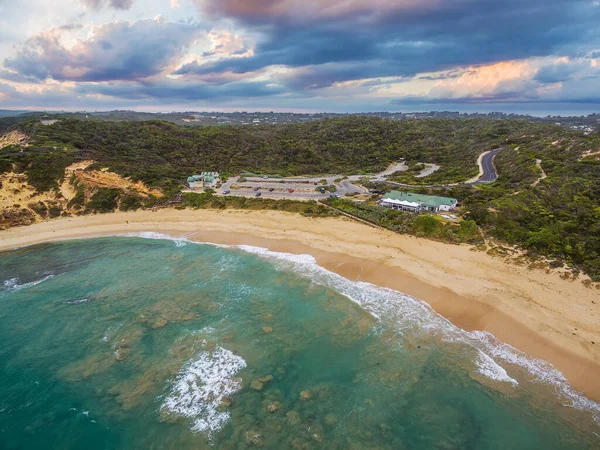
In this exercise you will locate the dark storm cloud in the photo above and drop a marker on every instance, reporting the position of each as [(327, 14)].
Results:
[(556, 73), (402, 38), (117, 51), (178, 90), (131, 92)]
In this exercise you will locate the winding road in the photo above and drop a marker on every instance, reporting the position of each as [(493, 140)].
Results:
[(487, 165), (487, 174)]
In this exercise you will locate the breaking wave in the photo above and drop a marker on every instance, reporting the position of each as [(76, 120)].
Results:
[(12, 284), (77, 301), (201, 387)]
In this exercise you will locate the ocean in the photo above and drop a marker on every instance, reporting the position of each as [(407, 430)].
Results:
[(147, 342)]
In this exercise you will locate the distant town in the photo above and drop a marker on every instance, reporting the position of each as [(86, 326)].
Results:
[(587, 124)]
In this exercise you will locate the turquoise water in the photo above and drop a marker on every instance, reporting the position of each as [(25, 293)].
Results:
[(130, 342)]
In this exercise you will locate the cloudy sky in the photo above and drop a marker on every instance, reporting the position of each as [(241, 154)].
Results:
[(301, 55)]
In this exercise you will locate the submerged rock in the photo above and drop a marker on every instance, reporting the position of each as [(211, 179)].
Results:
[(317, 437), (144, 317), (85, 368), (273, 406), (129, 338), (254, 438), (122, 351), (267, 329), (159, 323), (330, 419), (305, 395), (299, 444), (121, 354), (293, 418), (266, 379), (257, 385), (227, 401), (161, 313)]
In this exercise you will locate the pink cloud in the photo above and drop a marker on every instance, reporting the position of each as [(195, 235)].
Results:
[(259, 9), (499, 79)]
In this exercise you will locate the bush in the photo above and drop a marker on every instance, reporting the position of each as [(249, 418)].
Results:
[(130, 202), (40, 208), (5, 165), (427, 225), (78, 201), (54, 211), (45, 171), (104, 200)]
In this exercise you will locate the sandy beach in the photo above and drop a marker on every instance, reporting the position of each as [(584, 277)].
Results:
[(539, 313)]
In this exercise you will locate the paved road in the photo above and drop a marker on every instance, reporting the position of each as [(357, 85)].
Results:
[(489, 171), (489, 175)]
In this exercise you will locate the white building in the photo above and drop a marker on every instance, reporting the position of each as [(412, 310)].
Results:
[(408, 201)]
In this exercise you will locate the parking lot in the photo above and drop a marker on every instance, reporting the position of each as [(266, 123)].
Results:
[(288, 188)]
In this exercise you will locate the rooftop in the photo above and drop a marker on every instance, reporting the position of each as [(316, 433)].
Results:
[(422, 199)]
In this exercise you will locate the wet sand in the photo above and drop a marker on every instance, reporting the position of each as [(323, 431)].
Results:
[(537, 312)]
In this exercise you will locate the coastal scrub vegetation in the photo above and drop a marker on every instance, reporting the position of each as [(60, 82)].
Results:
[(556, 217), (418, 225), (163, 154), (210, 201)]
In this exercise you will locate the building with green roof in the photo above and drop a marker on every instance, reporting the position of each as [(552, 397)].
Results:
[(204, 180), (409, 201)]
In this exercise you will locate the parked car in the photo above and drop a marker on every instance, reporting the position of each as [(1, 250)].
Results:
[(334, 196), (266, 177), (271, 189), (322, 190), (258, 194), (290, 190), (226, 191), (256, 188)]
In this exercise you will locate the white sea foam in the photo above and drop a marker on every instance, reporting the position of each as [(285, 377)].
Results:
[(201, 386), (539, 370), (406, 312), (489, 368), (179, 241), (12, 284), (77, 301)]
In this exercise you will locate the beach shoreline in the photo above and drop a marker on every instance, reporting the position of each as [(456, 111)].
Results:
[(539, 313)]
